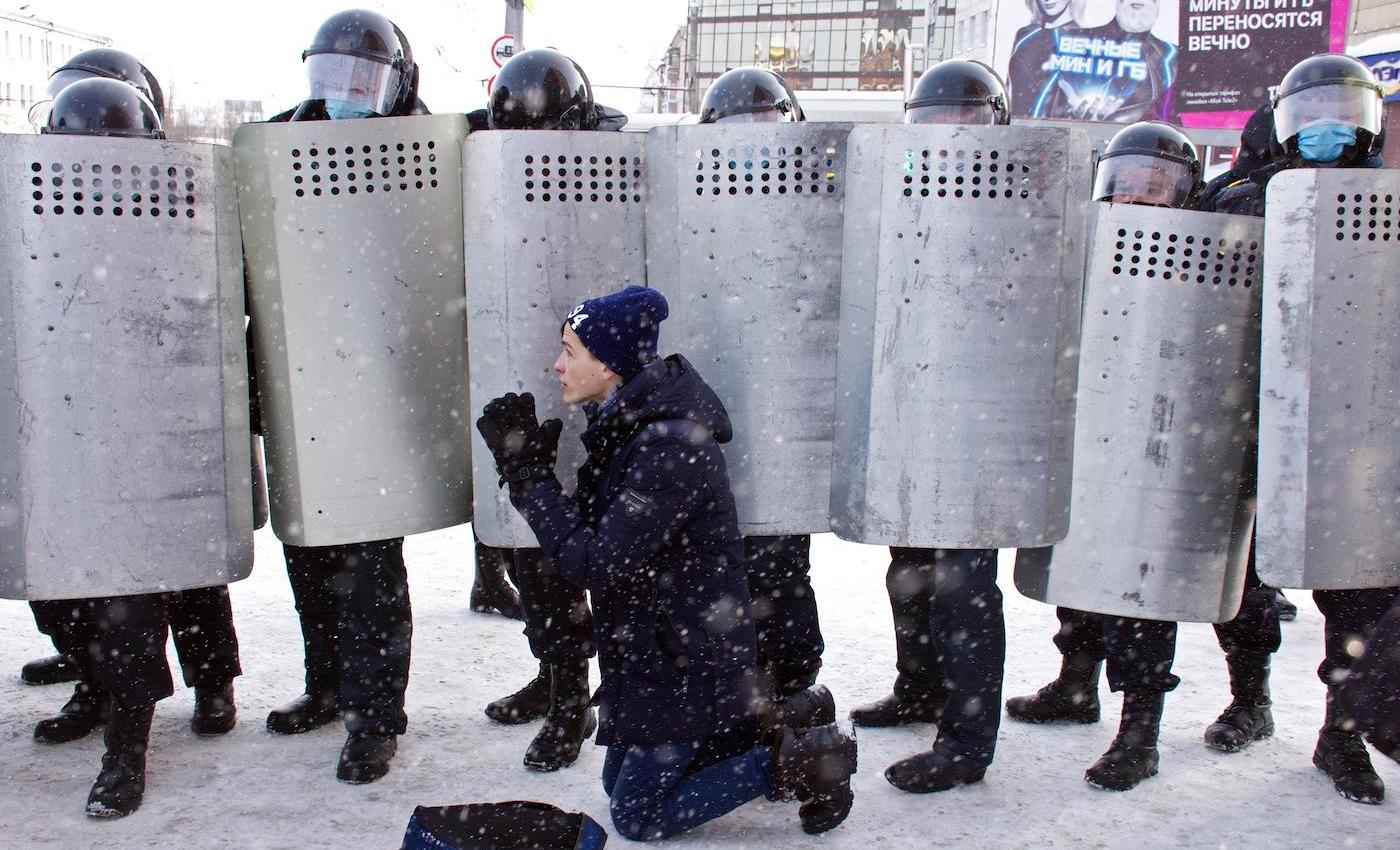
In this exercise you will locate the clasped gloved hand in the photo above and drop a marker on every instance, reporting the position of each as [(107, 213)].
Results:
[(524, 448)]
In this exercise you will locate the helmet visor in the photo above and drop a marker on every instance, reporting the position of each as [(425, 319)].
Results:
[(352, 86), (974, 114), (1357, 105), (65, 77), (762, 116), (1143, 179)]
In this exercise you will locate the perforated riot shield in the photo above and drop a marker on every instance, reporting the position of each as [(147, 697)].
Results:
[(352, 232), (744, 239), (123, 386), (960, 307), (552, 218), (1162, 502), (1329, 414)]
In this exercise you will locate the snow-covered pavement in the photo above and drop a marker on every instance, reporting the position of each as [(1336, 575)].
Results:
[(251, 789)]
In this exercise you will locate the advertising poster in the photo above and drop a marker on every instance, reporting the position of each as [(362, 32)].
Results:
[(1198, 63)]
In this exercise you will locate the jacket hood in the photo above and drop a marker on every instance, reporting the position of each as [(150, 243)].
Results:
[(666, 390)]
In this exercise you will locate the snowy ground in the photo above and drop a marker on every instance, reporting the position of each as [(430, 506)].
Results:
[(252, 789)]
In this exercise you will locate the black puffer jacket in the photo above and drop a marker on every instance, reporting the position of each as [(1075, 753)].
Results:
[(652, 534)]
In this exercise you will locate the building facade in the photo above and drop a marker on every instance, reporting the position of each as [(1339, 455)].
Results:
[(30, 49), (817, 45)]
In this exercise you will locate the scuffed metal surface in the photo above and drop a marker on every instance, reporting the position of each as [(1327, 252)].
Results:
[(122, 370), (532, 256), (954, 423), (359, 323), (744, 237), (1329, 441), (1159, 518)]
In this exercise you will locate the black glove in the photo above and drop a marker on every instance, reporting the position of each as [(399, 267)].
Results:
[(524, 449)]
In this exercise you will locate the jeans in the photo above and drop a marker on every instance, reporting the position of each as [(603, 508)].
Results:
[(661, 790)]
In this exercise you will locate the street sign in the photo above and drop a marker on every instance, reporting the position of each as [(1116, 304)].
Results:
[(502, 49)]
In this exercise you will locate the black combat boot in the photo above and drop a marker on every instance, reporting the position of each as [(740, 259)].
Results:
[(938, 769), (814, 706), (306, 712), (365, 757), (815, 766), (50, 671), (491, 592), (1073, 697), (529, 703), (1342, 755), (87, 709), (568, 722), (891, 710), (1132, 757), (122, 782), (1287, 611), (1247, 718), (214, 710)]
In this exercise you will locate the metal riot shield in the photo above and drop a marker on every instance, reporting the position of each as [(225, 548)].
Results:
[(1161, 509), (352, 234), (961, 289), (744, 239), (1329, 415), (551, 218), (124, 461)]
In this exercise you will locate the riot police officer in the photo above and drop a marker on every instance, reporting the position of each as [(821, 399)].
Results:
[(202, 618), (1328, 113), (950, 637), (545, 90), (118, 642), (790, 641), (352, 599), (1150, 163)]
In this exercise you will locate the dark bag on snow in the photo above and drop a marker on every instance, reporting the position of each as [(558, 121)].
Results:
[(516, 825)]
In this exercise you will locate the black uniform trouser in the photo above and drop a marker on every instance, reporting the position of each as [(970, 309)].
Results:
[(558, 621), (790, 641), (118, 641), (950, 636), (1139, 653), (1255, 630), (90, 630), (1349, 617), (357, 628)]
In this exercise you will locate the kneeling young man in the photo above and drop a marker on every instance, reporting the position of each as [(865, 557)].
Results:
[(652, 533)]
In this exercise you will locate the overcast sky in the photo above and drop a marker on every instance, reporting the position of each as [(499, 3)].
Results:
[(251, 49)]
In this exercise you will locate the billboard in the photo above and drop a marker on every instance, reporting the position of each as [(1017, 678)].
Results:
[(1198, 63), (1386, 67)]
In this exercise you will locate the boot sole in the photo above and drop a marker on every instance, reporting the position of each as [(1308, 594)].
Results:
[(300, 728), (54, 740), (101, 812), (882, 723), (1232, 747), (1121, 786), (1078, 720), (512, 719), (363, 776), (213, 731)]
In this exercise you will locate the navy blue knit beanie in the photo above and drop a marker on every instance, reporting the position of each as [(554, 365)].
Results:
[(620, 328)]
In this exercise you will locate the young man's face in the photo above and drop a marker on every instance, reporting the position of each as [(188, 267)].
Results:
[(1137, 15), (582, 377)]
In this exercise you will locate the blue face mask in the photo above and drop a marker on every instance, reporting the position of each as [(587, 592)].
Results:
[(1325, 140), (339, 110)]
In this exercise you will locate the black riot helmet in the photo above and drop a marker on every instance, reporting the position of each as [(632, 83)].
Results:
[(958, 91), (1150, 163), (752, 95), (112, 64), (1330, 110), (103, 107), (541, 89), (359, 65)]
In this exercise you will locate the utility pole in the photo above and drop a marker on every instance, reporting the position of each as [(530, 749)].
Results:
[(515, 22)]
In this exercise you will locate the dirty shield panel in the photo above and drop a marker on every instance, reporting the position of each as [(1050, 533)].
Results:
[(124, 466), (961, 292), (552, 218), (744, 239), (1162, 503), (1329, 417), (353, 237)]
